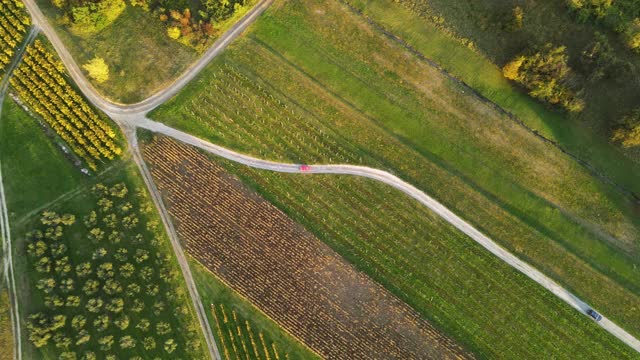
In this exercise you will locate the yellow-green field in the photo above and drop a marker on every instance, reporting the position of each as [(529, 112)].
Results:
[(313, 82)]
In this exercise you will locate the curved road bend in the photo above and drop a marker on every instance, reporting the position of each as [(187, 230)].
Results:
[(408, 189), (161, 96)]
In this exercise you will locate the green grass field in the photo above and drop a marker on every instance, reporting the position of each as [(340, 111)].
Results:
[(340, 92), (23, 159), (213, 291), (41, 178), (545, 21), (485, 305), (486, 24), (141, 58)]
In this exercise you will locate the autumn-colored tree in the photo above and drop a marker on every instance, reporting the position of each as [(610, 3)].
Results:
[(92, 16), (94, 305), (105, 270), (633, 36), (84, 269), (122, 322), (163, 328), (97, 69), (101, 323), (115, 305), (61, 341), (78, 322), (143, 325), (91, 287), (72, 301), (82, 337), (127, 342), (545, 74), (170, 346), (106, 342), (58, 249), (628, 133), (174, 32), (149, 343)]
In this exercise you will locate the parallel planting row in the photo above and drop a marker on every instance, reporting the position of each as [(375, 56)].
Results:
[(341, 92), (239, 341), (41, 83), (13, 27), (213, 291), (285, 271)]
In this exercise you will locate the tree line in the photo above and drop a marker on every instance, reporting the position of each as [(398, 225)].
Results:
[(190, 22)]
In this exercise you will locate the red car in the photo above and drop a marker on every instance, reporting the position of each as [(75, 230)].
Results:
[(305, 168)]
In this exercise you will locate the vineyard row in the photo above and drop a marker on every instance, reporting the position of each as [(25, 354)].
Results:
[(13, 27), (41, 83)]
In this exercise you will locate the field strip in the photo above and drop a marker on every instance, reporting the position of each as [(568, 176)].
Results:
[(408, 189), (7, 250), (212, 347), (584, 163), (5, 231), (161, 96)]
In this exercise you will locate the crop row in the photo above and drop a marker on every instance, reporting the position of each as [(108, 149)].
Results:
[(40, 81), (13, 26), (285, 271), (239, 340)]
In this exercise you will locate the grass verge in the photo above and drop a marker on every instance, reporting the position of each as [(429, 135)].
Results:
[(6, 333)]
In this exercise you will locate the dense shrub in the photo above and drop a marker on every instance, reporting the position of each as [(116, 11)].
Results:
[(192, 23), (545, 73), (628, 133)]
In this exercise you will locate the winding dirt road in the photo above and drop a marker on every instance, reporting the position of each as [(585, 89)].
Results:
[(130, 117)]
